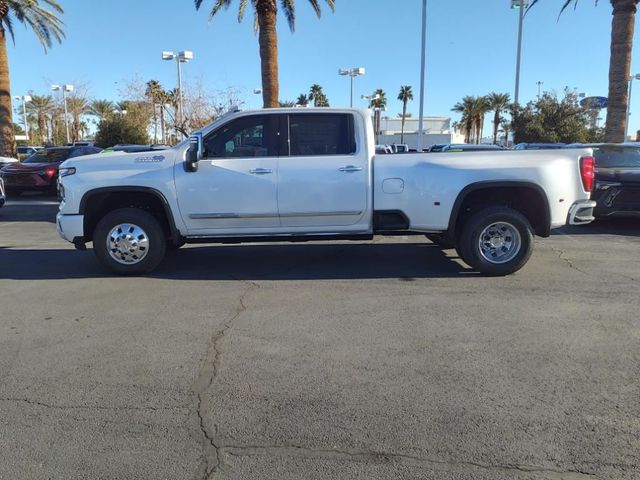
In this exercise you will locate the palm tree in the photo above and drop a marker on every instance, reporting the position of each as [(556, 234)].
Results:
[(101, 108), (498, 103), (41, 107), (163, 99), (47, 27), (622, 26), (302, 100), (77, 106), (316, 94), (265, 14), (465, 108), (479, 110), (153, 92), (473, 110), (378, 102), (404, 96)]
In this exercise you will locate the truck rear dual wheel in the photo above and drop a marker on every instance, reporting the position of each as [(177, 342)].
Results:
[(496, 241), (129, 241)]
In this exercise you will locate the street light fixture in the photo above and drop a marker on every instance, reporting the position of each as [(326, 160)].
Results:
[(370, 98), (351, 72), (64, 89), (180, 58), (25, 99), (626, 127)]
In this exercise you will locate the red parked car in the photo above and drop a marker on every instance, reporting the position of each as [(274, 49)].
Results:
[(40, 170)]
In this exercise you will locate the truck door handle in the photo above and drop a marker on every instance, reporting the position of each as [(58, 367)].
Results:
[(260, 171), (350, 168)]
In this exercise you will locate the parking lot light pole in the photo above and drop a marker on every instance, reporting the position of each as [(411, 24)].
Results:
[(423, 49), (64, 89), (520, 5), (352, 72), (180, 58), (25, 99), (626, 127)]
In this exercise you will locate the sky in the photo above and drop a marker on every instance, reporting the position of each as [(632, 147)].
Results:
[(471, 50)]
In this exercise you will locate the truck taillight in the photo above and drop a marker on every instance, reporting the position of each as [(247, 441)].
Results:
[(587, 172)]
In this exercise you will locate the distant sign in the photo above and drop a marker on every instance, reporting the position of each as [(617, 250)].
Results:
[(594, 103)]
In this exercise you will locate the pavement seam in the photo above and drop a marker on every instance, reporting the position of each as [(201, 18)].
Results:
[(386, 457), (88, 407), (212, 459)]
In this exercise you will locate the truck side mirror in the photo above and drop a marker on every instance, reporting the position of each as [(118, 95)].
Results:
[(194, 153)]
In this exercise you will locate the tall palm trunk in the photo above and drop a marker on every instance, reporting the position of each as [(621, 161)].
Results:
[(622, 26), (404, 116), (155, 124), (496, 124), (42, 127), (268, 40), (163, 136), (7, 135)]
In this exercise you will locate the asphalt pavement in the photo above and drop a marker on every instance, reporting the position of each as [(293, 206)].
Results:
[(336, 360)]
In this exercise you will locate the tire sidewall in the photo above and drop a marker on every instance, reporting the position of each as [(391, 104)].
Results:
[(146, 221), (478, 222)]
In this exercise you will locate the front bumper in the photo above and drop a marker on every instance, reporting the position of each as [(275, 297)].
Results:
[(71, 228), (29, 181), (581, 212)]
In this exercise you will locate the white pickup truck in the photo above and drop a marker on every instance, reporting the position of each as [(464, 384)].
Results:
[(312, 174)]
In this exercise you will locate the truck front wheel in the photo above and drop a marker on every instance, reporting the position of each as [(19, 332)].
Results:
[(129, 241), (496, 241)]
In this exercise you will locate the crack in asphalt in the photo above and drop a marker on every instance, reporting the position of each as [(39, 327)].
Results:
[(88, 407), (212, 460), (386, 457), (561, 256)]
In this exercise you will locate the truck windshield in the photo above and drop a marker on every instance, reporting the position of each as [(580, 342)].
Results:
[(50, 155)]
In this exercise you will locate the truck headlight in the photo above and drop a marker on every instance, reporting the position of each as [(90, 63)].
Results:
[(66, 171)]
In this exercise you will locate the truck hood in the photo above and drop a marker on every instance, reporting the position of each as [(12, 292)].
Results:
[(122, 161)]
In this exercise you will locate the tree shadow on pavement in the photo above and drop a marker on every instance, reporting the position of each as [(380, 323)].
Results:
[(405, 261)]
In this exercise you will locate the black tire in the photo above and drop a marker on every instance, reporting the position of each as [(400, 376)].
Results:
[(157, 243), (13, 192), (442, 240), (469, 242)]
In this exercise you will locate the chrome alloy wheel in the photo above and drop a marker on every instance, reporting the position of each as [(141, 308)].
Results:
[(127, 243), (499, 242)]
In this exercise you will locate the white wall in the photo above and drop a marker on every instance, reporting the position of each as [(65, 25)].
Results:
[(429, 139)]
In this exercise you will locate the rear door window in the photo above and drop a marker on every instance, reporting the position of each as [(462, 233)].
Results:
[(318, 134)]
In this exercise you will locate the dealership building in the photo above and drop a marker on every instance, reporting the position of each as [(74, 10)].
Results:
[(436, 130)]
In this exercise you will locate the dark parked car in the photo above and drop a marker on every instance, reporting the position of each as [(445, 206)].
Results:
[(40, 170), (437, 147), (469, 147), (2, 194), (135, 148), (617, 190), (539, 146)]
